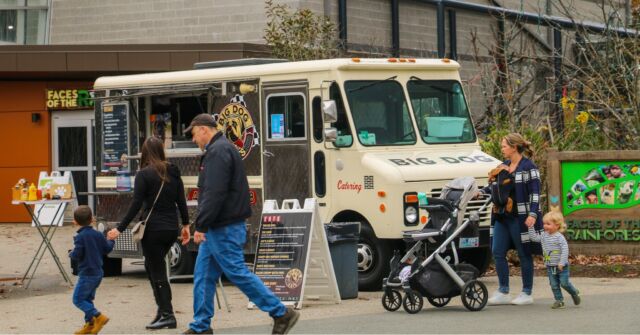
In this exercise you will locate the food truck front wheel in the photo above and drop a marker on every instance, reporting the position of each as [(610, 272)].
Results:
[(373, 259)]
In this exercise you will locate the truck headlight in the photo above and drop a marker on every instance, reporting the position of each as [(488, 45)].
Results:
[(411, 214)]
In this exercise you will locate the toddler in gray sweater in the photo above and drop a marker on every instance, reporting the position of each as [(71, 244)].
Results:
[(556, 257)]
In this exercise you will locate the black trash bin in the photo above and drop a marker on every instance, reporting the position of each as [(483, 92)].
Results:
[(343, 246)]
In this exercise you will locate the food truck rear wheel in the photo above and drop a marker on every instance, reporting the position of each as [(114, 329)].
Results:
[(180, 259), (373, 259)]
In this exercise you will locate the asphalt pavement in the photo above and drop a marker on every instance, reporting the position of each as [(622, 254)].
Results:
[(609, 305)]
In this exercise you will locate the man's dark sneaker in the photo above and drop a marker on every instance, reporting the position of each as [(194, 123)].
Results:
[(191, 331), (557, 305), (283, 324), (576, 298)]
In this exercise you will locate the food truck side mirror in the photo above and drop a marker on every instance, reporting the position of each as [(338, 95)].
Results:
[(329, 111), (330, 134)]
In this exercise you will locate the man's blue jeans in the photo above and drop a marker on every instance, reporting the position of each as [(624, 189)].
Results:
[(506, 231), (222, 252), (559, 279), (84, 293)]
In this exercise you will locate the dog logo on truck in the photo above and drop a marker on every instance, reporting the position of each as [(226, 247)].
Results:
[(235, 122)]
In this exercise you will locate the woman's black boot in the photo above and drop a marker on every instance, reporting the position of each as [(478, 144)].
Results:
[(158, 316), (167, 320)]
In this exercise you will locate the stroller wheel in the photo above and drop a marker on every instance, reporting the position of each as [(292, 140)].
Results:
[(474, 295), (412, 302), (391, 300), (438, 302)]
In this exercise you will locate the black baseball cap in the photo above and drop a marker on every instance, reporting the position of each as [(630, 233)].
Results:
[(201, 120)]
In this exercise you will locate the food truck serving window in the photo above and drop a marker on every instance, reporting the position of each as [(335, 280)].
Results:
[(441, 111), (380, 113), (171, 114)]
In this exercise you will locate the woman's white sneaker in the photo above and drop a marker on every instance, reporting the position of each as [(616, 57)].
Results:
[(499, 298), (523, 299)]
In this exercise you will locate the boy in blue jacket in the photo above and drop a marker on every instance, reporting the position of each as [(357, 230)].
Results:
[(89, 248)]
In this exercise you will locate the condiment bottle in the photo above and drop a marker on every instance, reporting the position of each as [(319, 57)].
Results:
[(16, 192), (33, 193), (24, 194)]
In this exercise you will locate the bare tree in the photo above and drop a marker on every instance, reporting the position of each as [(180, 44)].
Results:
[(599, 79)]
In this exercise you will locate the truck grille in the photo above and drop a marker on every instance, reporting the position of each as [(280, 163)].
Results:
[(473, 205)]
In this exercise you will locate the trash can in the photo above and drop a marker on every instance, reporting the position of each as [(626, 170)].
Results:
[(343, 246)]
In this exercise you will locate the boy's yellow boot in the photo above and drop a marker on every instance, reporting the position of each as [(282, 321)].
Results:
[(86, 329), (99, 322)]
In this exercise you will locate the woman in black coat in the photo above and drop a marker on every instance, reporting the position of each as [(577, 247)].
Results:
[(162, 227)]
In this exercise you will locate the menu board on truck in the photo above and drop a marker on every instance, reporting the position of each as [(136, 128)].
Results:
[(115, 136)]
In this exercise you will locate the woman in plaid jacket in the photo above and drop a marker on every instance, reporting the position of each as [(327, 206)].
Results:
[(509, 230)]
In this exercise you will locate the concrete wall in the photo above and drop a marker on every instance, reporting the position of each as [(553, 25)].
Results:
[(157, 21), (368, 26)]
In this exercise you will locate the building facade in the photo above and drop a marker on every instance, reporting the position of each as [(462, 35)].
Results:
[(51, 51)]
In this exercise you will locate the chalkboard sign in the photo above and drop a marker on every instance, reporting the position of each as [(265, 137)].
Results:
[(115, 136), (293, 258), (283, 243)]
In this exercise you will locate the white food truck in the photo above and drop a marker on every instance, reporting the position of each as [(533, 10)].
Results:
[(360, 135)]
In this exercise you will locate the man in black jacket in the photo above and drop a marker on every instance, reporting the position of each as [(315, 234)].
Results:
[(223, 207)]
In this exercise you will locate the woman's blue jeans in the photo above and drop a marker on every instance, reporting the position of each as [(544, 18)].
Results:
[(506, 231), (222, 252)]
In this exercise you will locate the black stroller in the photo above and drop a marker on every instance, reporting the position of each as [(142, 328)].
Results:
[(438, 281)]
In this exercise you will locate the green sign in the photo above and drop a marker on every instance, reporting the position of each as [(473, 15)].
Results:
[(595, 185), (69, 99), (603, 230)]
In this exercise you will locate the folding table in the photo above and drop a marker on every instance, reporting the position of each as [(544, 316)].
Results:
[(45, 235)]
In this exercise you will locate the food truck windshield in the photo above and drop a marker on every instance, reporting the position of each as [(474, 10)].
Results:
[(382, 117), (441, 111), (380, 113)]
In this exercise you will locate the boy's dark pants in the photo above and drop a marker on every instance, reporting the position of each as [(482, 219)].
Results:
[(84, 293)]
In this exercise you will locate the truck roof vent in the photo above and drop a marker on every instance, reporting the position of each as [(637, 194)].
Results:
[(237, 62)]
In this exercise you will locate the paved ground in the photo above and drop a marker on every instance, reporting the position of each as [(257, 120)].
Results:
[(610, 305)]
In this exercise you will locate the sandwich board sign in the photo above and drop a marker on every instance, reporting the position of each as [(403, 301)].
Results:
[(292, 257)]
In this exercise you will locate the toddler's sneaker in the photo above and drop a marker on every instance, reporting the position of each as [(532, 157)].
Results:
[(499, 298), (576, 298), (557, 304), (86, 329), (523, 299)]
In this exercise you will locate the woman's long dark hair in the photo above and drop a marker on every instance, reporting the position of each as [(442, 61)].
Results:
[(153, 155)]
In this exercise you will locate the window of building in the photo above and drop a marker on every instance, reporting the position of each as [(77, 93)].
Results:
[(24, 21), (286, 116)]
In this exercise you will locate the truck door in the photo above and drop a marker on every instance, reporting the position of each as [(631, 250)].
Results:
[(286, 161)]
